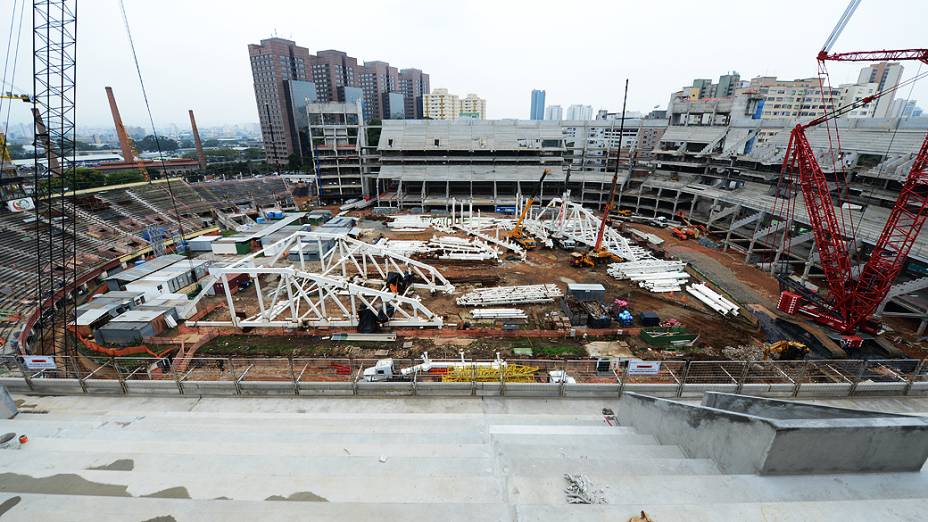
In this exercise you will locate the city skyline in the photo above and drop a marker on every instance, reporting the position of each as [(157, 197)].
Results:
[(181, 73)]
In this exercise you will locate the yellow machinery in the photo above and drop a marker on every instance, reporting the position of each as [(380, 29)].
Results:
[(785, 351), (4, 152), (511, 373), (518, 231)]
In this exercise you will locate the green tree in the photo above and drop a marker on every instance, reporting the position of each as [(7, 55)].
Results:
[(211, 143), (149, 144)]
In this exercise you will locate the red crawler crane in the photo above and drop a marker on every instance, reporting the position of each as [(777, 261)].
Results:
[(853, 301)]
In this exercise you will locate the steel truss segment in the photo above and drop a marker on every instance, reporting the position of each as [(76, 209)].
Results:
[(566, 220), (353, 278)]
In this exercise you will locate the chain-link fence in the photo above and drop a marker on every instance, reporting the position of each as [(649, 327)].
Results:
[(262, 376)]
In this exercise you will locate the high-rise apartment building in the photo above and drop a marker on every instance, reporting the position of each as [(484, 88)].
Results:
[(474, 107), (442, 105), (793, 99), (554, 112), (377, 79), (886, 75), (855, 92), (580, 112), (905, 109), (274, 63), (538, 105), (281, 71), (414, 84)]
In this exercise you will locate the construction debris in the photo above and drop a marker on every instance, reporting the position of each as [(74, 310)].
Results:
[(580, 490), (743, 353), (511, 295)]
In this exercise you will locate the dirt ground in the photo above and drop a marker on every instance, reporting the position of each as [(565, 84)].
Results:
[(541, 266)]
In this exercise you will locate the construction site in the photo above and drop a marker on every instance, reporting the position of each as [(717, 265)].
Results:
[(655, 320)]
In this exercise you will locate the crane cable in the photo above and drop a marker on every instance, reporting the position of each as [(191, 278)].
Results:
[(151, 119), (892, 139), (9, 105)]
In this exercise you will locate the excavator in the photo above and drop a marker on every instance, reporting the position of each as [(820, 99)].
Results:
[(690, 230), (518, 233), (599, 254), (785, 351)]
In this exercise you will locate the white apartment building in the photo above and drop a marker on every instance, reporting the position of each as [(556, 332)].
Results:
[(794, 99), (854, 92), (886, 76), (474, 107), (554, 112), (580, 112), (441, 105)]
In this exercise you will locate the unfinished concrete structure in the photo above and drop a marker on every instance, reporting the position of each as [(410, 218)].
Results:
[(398, 458)]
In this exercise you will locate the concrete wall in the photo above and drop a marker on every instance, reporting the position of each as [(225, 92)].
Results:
[(754, 435), (736, 443)]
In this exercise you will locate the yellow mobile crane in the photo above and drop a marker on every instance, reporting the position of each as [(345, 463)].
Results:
[(518, 232)]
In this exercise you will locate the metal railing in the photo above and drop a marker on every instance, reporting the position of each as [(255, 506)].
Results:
[(257, 376)]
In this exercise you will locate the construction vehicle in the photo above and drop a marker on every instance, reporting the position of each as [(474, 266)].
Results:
[(785, 351), (689, 230), (4, 151), (518, 234), (853, 296), (600, 254)]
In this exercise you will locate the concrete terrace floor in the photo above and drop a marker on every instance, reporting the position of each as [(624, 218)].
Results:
[(416, 458)]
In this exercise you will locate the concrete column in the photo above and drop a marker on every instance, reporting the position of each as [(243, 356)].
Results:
[(809, 262), (734, 217), (757, 226)]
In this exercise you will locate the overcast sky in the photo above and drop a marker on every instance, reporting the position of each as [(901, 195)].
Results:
[(194, 53)]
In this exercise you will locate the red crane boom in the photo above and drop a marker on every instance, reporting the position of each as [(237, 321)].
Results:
[(854, 301)]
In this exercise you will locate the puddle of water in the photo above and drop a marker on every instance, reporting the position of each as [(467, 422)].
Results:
[(175, 492), (300, 496), (116, 465)]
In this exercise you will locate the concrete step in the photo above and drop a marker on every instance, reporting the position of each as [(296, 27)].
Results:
[(53, 462), (820, 511), (233, 447), (608, 465), (383, 421), (256, 486), (80, 508), (267, 433), (723, 489), (581, 450), (355, 424)]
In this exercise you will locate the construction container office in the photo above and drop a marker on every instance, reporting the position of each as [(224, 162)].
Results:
[(141, 269), (132, 327)]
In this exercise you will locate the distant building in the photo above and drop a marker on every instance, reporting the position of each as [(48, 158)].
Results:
[(886, 75), (554, 112), (277, 63), (704, 88), (472, 106), (538, 105), (393, 105), (793, 99), (414, 84), (441, 105), (337, 137), (274, 62), (579, 112), (855, 92), (905, 109)]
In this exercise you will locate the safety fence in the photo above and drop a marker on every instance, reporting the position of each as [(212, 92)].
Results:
[(256, 376)]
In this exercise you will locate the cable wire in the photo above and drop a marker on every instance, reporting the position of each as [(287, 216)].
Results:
[(151, 119)]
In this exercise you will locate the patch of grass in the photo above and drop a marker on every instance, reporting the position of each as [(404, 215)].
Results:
[(559, 351)]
